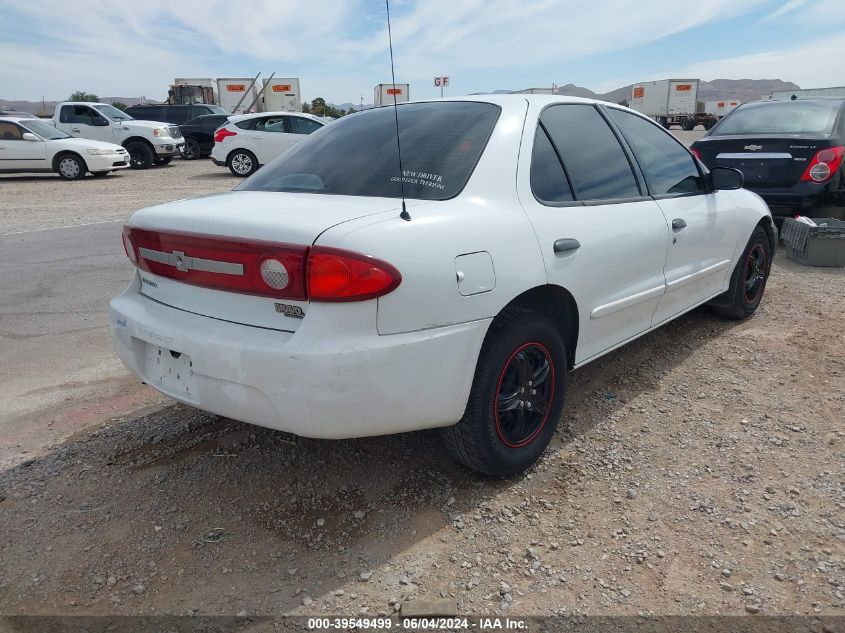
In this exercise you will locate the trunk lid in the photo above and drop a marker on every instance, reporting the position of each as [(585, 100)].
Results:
[(280, 218), (773, 161)]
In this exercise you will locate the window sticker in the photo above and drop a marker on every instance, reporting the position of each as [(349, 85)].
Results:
[(422, 178)]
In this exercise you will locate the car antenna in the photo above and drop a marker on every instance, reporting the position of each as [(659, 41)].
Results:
[(404, 215)]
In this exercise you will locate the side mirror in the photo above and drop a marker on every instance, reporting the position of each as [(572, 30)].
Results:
[(726, 178), (29, 136), (99, 122)]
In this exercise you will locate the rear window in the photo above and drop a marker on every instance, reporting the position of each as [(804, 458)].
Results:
[(357, 155), (781, 117)]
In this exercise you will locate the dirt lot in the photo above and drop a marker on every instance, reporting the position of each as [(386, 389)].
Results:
[(41, 201), (698, 470)]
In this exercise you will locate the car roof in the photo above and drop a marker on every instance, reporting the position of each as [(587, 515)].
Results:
[(816, 100), (20, 119), (513, 100), (8, 114)]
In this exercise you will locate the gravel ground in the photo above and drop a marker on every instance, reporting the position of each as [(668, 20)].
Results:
[(698, 470), (38, 201)]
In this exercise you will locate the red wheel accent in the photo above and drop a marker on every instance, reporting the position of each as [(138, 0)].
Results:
[(548, 401)]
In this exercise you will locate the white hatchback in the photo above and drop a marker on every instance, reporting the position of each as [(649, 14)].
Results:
[(32, 145), (248, 141), (536, 234)]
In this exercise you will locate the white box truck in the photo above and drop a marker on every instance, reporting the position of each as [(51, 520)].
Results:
[(385, 93), (670, 102), (722, 107), (233, 92), (282, 95)]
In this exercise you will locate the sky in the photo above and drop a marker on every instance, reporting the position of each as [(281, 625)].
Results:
[(339, 48)]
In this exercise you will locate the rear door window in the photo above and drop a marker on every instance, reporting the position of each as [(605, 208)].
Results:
[(548, 180), (668, 167), (358, 156), (301, 125), (178, 113), (148, 113), (271, 124), (597, 165)]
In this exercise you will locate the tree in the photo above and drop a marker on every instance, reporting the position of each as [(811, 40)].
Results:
[(81, 95), (318, 106), (119, 105), (306, 108)]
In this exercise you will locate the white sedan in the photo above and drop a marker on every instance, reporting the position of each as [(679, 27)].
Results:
[(248, 141), (33, 145), (536, 234)]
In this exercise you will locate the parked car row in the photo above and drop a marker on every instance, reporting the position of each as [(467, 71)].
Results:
[(242, 143)]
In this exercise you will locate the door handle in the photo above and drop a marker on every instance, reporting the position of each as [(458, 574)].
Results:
[(678, 224), (74, 129), (566, 244)]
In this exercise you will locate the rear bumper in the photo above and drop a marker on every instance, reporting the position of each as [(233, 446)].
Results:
[(311, 383), (804, 198)]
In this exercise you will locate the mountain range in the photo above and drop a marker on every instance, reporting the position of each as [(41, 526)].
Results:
[(718, 89)]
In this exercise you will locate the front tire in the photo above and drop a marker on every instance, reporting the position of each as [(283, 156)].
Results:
[(192, 149), (517, 396), (71, 167), (242, 163), (141, 155), (748, 281)]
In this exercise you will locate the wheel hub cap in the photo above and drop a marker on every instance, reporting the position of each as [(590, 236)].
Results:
[(69, 167), (755, 273), (524, 395)]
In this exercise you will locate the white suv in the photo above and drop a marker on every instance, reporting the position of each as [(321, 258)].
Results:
[(250, 140), (535, 235)]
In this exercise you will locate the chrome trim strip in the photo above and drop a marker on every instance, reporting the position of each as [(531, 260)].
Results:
[(763, 155), (671, 286), (627, 302), (183, 262)]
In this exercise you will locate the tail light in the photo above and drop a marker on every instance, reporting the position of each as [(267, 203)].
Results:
[(269, 269), (223, 133), (696, 152), (129, 247), (824, 164), (337, 275), (236, 265)]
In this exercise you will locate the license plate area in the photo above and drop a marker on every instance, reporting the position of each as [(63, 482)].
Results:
[(170, 371)]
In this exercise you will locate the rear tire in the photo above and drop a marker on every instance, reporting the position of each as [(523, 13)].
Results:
[(140, 155), (509, 421), (689, 125), (242, 163), (70, 167), (748, 281)]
